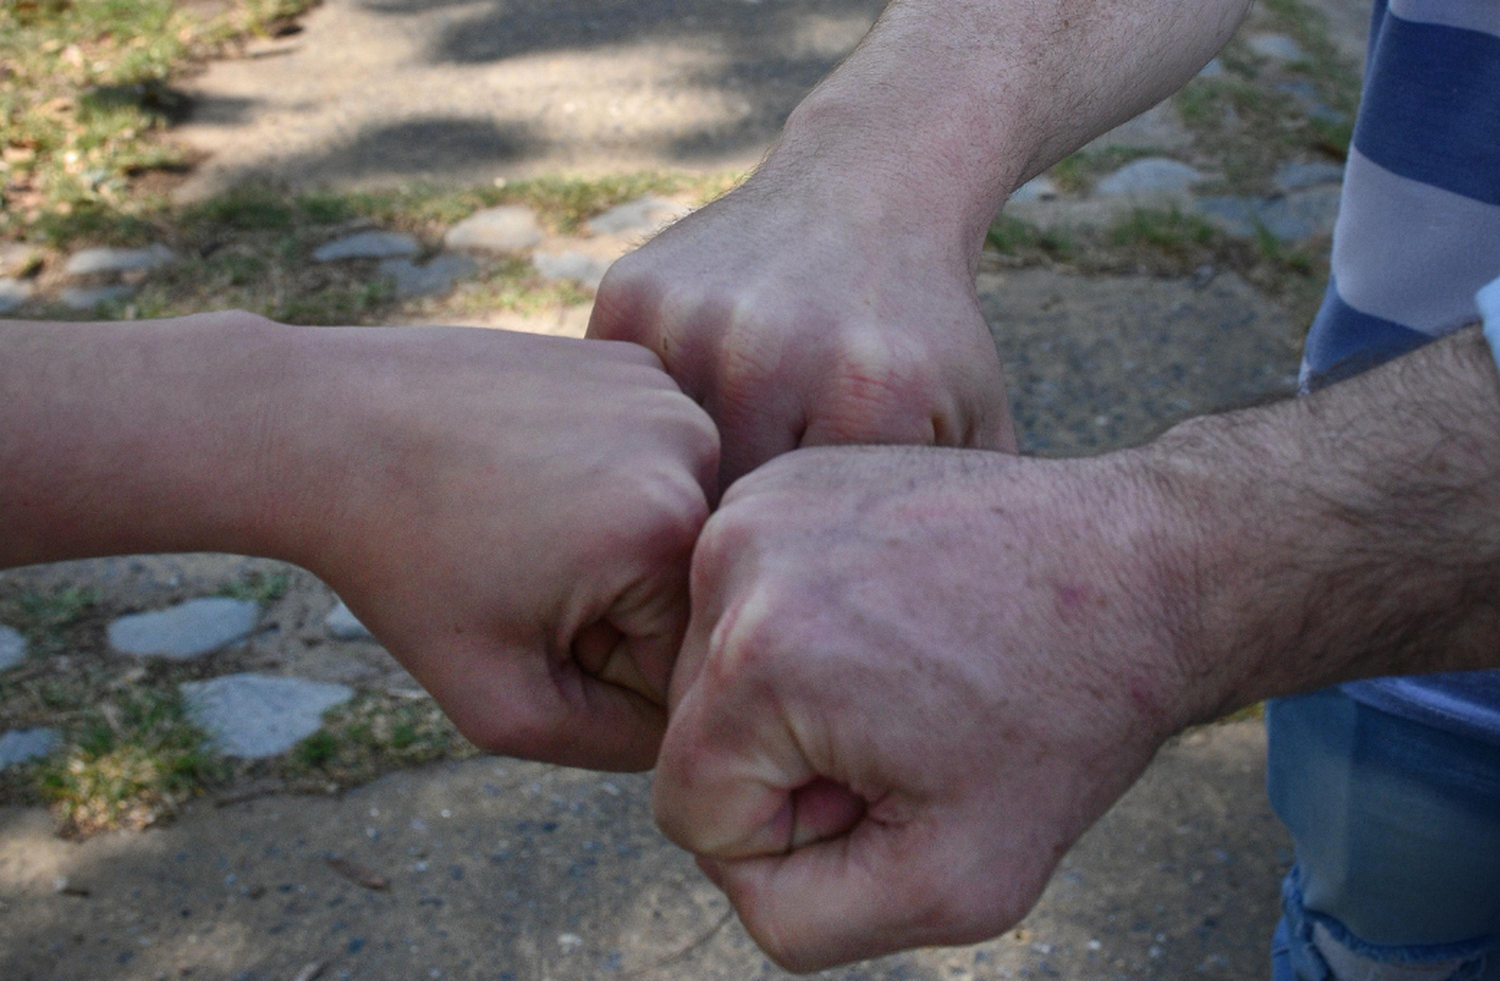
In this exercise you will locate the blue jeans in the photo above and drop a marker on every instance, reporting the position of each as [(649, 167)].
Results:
[(1397, 832)]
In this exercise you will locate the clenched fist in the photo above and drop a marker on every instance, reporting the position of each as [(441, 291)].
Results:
[(912, 678), (797, 320), (511, 515)]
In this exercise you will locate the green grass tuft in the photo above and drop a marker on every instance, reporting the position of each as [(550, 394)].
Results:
[(129, 763), (44, 618), (258, 587), (376, 733), (87, 97), (1169, 230)]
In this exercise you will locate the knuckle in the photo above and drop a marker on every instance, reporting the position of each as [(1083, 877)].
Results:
[(722, 540), (628, 296), (743, 648), (691, 428), (881, 390), (748, 356), (882, 358), (673, 508), (677, 766)]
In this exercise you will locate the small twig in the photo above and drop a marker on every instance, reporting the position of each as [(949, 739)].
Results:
[(254, 793), (311, 972), (355, 872), (682, 954)]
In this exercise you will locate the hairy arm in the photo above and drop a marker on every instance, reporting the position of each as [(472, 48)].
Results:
[(946, 107), (511, 515), (1062, 618), (830, 299), (1345, 535)]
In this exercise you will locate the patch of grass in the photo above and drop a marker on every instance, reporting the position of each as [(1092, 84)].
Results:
[(249, 248), (87, 96), (1169, 230), (44, 618), (1077, 172), (1016, 238), (258, 587), (375, 733), (1167, 242), (343, 303), (245, 208), (129, 763), (515, 285), (316, 750), (1252, 117), (562, 203)]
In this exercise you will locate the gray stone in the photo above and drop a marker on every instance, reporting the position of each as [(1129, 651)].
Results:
[(25, 745), (435, 277), (1158, 129), (13, 293), (110, 261), (1296, 176), (1152, 175), (343, 624), (1307, 94), (12, 647), (576, 266), (254, 715), (191, 629), (1040, 188), (508, 228), (1277, 47), (89, 297), (1291, 218), (367, 245), (641, 216)]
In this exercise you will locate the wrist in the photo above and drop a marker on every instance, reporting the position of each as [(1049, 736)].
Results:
[(910, 174), (1210, 535)]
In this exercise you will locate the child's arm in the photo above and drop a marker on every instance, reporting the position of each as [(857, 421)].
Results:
[(511, 515)]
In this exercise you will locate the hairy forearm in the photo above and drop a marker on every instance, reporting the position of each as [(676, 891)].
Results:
[(948, 105), (150, 436), (1354, 533)]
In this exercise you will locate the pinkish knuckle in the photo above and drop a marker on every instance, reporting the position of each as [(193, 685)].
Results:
[(722, 539), (669, 508)]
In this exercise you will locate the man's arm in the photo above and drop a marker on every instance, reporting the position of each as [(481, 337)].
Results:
[(1350, 534), (511, 515), (914, 677), (831, 299)]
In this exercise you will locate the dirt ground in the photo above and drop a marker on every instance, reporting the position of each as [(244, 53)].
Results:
[(381, 91), (522, 872)]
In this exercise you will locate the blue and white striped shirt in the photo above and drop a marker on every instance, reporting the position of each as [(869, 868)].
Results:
[(1418, 234)]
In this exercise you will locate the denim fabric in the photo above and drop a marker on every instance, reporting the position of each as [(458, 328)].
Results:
[(1397, 830)]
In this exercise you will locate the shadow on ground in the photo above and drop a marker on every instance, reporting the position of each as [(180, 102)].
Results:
[(378, 92)]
